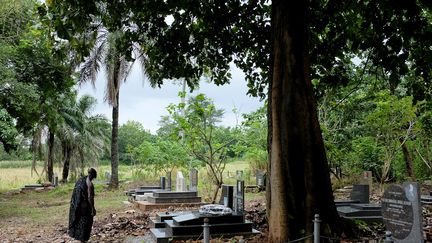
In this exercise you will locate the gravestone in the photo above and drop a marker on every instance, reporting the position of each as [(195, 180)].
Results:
[(180, 182), (193, 180), (260, 179), (169, 181), (55, 180), (162, 182), (227, 196), (360, 193), (239, 207), (401, 211)]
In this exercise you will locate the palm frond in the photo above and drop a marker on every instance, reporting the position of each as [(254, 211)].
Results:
[(91, 66)]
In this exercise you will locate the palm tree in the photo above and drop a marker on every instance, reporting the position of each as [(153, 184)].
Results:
[(81, 134), (117, 69)]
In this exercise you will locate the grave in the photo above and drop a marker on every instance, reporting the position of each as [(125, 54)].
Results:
[(162, 182), (260, 180), (180, 182), (222, 221), (132, 193), (164, 199), (239, 198), (227, 198), (193, 180), (402, 213), (169, 181), (358, 206), (369, 213), (360, 193)]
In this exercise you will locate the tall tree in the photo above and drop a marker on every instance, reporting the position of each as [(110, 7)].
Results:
[(198, 119), (81, 133), (205, 36), (117, 69)]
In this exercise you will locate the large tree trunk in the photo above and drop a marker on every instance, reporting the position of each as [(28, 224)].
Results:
[(299, 184), (114, 144), (408, 159), (66, 162), (50, 164)]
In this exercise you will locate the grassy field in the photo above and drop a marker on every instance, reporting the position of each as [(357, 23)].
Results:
[(33, 208)]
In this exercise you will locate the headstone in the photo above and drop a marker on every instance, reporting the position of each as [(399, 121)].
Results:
[(169, 181), (401, 211), (180, 182), (366, 178), (260, 179), (162, 182), (360, 193), (55, 182), (239, 207), (227, 196), (193, 180)]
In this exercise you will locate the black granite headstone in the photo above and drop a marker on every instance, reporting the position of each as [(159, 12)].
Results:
[(360, 193), (401, 212), (227, 196), (162, 182), (239, 208)]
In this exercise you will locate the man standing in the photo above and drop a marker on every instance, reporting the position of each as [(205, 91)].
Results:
[(82, 208)]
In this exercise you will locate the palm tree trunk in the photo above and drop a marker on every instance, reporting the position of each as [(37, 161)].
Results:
[(66, 163), (50, 164), (114, 144)]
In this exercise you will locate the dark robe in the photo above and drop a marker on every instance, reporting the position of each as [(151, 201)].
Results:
[(80, 212)]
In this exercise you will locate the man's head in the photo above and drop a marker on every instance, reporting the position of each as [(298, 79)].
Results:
[(92, 173)]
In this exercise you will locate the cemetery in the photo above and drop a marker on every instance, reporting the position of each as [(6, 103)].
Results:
[(216, 121)]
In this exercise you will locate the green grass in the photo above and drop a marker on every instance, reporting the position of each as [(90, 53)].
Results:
[(58, 199), (7, 164), (35, 208)]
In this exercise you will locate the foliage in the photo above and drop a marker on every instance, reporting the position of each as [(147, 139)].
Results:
[(252, 144), (131, 135), (205, 141)]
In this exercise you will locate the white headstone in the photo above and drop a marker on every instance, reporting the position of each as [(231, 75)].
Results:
[(180, 182)]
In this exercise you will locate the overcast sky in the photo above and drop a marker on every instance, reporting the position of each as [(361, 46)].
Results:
[(139, 102)]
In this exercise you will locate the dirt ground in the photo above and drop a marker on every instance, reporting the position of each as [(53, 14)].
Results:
[(131, 225), (127, 225)]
